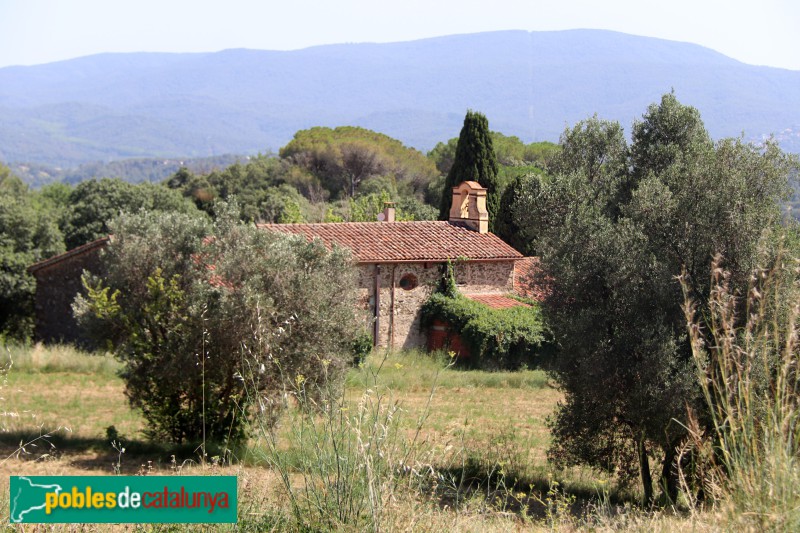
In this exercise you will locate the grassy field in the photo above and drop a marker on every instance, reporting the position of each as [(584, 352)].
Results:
[(472, 445)]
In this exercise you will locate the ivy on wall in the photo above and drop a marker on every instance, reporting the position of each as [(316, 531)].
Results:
[(498, 339)]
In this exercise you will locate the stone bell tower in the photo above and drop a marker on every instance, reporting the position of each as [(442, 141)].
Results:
[(469, 206)]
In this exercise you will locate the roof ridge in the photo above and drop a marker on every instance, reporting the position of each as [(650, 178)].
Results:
[(69, 253), (371, 223)]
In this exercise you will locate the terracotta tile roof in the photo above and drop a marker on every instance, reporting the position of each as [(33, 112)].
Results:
[(389, 242), (496, 301), (101, 242), (528, 281)]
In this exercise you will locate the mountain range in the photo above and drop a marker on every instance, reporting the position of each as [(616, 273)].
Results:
[(529, 84)]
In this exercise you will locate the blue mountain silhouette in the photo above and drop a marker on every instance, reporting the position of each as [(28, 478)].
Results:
[(529, 84)]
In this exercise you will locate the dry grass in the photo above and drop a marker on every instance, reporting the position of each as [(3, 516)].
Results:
[(39, 359), (494, 420), (84, 404)]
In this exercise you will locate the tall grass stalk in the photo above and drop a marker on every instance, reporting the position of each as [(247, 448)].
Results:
[(5, 367), (748, 372), (344, 461)]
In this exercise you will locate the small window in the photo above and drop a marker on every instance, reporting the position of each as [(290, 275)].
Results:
[(408, 282)]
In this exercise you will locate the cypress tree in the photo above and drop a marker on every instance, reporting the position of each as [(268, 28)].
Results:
[(475, 160)]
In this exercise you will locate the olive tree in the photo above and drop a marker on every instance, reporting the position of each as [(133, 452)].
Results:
[(615, 226), (212, 321)]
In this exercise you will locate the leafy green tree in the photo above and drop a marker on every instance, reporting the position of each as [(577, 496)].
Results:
[(211, 321), (343, 158), (282, 204), (474, 161), (317, 165), (55, 195), (360, 161), (412, 209), (93, 204), (443, 155), (379, 185), (434, 192), (11, 184), (669, 132), (366, 208), (180, 179), (249, 182), (541, 154), (506, 226), (616, 226), (28, 233), (510, 151)]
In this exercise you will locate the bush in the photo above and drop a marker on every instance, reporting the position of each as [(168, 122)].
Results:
[(497, 338), (361, 347), (194, 311)]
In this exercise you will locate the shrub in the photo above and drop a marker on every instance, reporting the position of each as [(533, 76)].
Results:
[(193, 311), (361, 347), (497, 338)]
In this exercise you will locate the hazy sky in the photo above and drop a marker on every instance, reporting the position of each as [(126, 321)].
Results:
[(760, 32)]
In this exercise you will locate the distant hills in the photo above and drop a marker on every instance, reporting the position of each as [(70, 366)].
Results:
[(530, 84), (134, 170)]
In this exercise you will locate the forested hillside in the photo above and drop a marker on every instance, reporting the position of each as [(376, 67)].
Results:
[(135, 170), (531, 84)]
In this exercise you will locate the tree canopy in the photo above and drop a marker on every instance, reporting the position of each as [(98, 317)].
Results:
[(344, 158), (93, 204)]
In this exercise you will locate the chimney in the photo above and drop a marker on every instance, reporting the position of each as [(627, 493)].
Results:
[(469, 207), (388, 212)]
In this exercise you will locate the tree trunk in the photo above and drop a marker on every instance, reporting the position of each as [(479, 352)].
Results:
[(669, 474), (644, 468)]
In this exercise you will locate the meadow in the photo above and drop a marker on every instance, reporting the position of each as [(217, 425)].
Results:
[(429, 447)]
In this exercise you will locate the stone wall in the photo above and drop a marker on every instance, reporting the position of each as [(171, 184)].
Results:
[(57, 285), (404, 287)]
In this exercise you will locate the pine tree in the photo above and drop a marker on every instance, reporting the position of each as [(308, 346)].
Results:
[(475, 160)]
